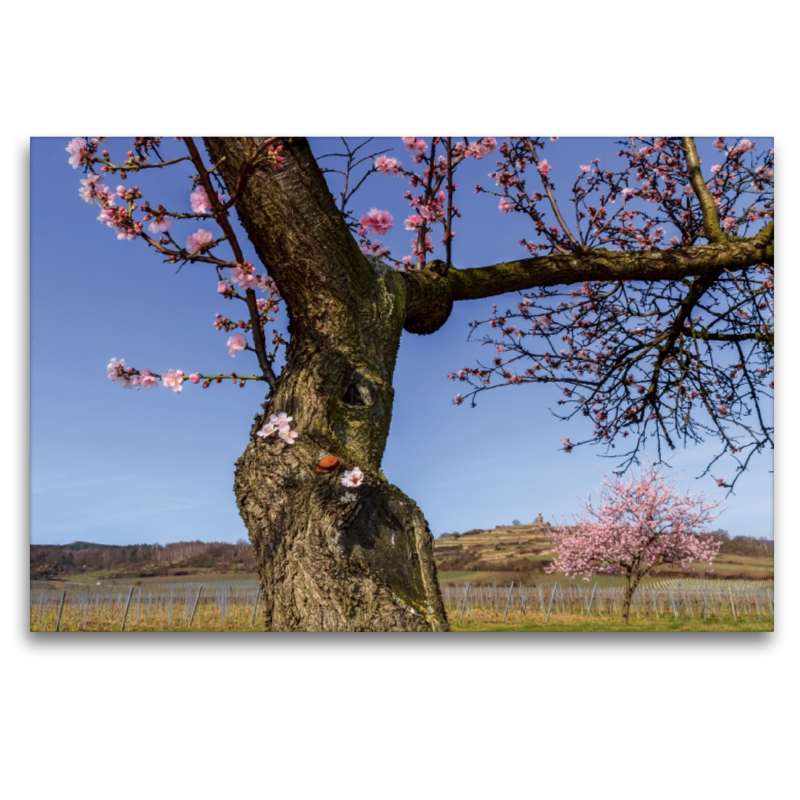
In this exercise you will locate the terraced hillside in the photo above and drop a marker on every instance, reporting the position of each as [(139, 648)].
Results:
[(506, 552), (522, 552)]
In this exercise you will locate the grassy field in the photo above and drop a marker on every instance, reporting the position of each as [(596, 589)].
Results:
[(717, 624), (671, 605)]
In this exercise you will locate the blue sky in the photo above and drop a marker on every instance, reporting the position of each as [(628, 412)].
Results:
[(118, 466)]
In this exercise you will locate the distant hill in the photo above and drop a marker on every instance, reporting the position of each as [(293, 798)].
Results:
[(107, 561), (502, 554)]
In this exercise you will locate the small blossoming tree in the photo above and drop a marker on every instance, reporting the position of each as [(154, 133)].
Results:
[(652, 311), (641, 524)]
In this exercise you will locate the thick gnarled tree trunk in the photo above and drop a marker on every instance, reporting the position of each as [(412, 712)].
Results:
[(330, 558)]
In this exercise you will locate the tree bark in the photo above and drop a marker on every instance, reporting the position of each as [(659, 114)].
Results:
[(329, 558)]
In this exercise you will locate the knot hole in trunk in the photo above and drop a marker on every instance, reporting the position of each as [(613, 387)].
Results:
[(360, 391)]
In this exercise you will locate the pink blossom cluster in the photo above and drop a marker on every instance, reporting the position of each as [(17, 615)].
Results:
[(416, 146), (117, 211), (374, 249), (388, 166), (130, 378), (120, 219), (482, 147), (280, 424), (431, 210), (379, 222), (244, 275), (434, 205), (79, 152)]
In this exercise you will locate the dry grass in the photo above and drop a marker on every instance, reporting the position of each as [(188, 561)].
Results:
[(559, 623)]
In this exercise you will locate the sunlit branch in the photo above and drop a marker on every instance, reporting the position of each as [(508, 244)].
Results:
[(711, 227), (600, 264)]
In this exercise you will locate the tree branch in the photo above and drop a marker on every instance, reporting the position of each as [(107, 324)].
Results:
[(711, 228), (593, 265), (221, 217)]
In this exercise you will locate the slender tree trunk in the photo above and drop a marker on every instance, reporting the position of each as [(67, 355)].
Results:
[(329, 558), (626, 606)]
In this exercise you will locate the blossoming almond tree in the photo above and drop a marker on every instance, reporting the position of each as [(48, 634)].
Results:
[(641, 525), (646, 314)]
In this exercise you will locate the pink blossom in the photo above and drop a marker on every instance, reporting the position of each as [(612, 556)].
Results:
[(719, 144), (115, 369), (199, 201), (729, 223), (482, 147), (107, 217), (223, 288), (716, 169), (544, 168), (77, 150), (90, 189), (236, 343), (413, 222), (741, 148), (194, 377), (353, 478), (388, 166), (380, 222), (287, 435), (159, 225), (172, 379), (197, 240), (415, 145), (433, 211), (504, 205), (585, 167), (267, 285), (280, 424), (244, 275), (374, 249), (147, 380)]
